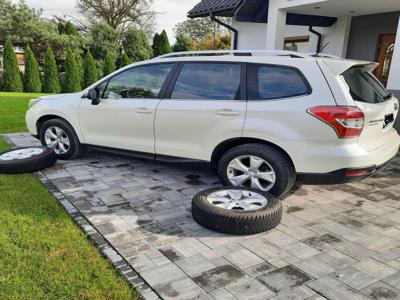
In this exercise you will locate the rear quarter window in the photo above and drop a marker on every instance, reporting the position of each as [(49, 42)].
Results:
[(267, 82)]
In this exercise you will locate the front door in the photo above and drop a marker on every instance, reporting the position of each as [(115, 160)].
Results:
[(124, 118), (385, 54)]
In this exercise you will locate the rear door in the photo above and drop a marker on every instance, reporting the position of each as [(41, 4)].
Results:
[(205, 105), (377, 103)]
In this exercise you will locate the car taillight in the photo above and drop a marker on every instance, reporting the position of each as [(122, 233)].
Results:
[(347, 121)]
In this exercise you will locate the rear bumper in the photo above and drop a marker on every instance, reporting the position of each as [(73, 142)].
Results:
[(340, 176)]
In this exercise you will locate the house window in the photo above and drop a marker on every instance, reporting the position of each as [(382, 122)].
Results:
[(297, 43)]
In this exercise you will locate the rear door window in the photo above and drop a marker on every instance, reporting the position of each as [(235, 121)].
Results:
[(208, 81), (364, 86), (267, 82)]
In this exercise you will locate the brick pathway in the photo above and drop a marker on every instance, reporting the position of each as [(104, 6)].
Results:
[(334, 242)]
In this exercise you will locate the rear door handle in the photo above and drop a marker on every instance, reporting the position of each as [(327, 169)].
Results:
[(144, 110), (227, 112)]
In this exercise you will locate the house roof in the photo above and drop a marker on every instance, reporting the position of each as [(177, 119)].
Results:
[(254, 11), (218, 7)]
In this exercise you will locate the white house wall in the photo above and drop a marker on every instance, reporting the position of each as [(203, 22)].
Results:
[(254, 36), (251, 35)]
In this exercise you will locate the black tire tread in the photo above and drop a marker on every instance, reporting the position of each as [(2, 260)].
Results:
[(282, 162), (77, 149), (236, 222), (29, 165)]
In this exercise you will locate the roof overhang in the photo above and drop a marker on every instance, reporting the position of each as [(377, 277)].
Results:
[(340, 8), (254, 11)]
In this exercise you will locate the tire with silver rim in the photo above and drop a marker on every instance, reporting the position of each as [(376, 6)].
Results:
[(59, 135), (257, 166), (236, 210), (26, 160)]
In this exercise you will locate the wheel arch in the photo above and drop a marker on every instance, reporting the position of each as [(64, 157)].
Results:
[(226, 145), (45, 118)]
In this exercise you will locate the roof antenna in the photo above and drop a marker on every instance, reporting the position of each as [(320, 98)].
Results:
[(323, 47)]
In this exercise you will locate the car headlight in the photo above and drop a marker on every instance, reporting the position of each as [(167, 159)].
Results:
[(33, 102)]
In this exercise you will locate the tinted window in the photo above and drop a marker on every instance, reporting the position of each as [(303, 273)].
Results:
[(274, 82), (209, 81), (363, 86), (140, 82)]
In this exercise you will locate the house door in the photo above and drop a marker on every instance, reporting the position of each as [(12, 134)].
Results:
[(385, 54)]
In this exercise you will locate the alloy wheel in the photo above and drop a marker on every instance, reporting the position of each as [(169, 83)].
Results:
[(251, 171), (57, 138)]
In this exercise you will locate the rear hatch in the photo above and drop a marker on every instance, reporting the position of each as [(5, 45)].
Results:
[(377, 103)]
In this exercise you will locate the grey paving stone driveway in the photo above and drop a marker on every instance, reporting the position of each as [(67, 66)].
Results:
[(335, 242)]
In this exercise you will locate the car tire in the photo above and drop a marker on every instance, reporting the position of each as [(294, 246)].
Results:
[(55, 131), (207, 212), (26, 160), (274, 159)]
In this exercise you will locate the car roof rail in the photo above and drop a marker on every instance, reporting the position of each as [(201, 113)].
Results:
[(325, 55), (236, 53)]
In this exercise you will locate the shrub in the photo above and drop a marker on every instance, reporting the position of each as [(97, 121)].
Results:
[(51, 78), (12, 81), (32, 83), (183, 43), (136, 44), (90, 70), (71, 78), (108, 64)]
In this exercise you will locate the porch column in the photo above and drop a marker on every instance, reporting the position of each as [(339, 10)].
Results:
[(394, 75), (276, 26)]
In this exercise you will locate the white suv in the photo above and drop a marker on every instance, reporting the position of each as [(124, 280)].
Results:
[(262, 119)]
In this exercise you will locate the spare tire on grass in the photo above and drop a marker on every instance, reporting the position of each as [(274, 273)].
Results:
[(236, 210), (26, 160)]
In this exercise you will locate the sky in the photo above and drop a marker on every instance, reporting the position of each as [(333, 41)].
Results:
[(170, 12)]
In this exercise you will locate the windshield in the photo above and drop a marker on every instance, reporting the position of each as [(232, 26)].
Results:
[(364, 86)]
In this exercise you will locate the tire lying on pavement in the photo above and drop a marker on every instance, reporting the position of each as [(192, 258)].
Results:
[(236, 210), (26, 160)]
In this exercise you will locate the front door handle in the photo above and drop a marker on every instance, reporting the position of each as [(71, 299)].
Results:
[(227, 112), (144, 110)]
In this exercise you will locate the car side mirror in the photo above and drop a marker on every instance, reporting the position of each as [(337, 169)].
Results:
[(94, 95)]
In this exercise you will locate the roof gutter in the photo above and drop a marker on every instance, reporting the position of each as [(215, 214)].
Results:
[(319, 36), (234, 30)]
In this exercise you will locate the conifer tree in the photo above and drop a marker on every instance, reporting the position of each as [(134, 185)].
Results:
[(108, 64), (79, 63), (71, 77), (90, 70), (32, 82), (124, 60), (12, 81), (161, 44), (51, 78)]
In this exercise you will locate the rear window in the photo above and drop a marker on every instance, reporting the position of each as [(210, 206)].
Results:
[(266, 82), (364, 86), (208, 81)]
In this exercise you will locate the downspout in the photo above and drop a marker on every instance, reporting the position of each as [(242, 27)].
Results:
[(234, 30), (319, 35)]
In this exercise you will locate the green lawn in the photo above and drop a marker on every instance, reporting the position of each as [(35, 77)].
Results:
[(43, 254), (12, 111)]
